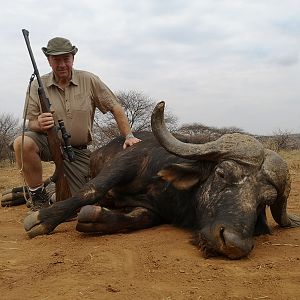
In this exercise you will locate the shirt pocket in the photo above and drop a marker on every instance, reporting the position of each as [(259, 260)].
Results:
[(82, 101)]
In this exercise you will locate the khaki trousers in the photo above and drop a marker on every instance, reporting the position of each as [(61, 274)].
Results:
[(77, 172)]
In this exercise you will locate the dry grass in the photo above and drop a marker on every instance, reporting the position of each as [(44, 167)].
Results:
[(10, 175), (293, 159)]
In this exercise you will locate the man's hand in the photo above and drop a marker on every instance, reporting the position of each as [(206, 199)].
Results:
[(130, 140), (45, 121)]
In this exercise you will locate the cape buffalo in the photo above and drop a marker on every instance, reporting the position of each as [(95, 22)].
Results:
[(220, 189)]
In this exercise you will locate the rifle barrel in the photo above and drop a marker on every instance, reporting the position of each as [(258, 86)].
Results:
[(35, 68)]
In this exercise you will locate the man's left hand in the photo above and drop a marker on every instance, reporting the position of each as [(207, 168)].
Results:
[(130, 141)]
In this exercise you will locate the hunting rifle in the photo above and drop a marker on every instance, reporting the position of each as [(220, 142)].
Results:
[(61, 185)]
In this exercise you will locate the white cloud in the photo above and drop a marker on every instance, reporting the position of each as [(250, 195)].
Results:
[(221, 62)]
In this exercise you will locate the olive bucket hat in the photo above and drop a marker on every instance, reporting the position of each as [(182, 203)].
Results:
[(59, 46)]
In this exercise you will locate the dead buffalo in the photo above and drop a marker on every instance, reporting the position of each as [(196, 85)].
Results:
[(219, 189)]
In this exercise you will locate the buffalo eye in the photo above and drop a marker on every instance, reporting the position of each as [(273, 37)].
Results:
[(220, 172), (229, 172)]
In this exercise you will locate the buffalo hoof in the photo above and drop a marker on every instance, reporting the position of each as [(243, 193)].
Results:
[(34, 226), (12, 199), (89, 214), (99, 220), (89, 219)]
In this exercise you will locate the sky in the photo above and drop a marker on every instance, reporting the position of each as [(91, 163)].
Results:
[(220, 63)]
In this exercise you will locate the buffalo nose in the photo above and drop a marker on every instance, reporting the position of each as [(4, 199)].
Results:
[(233, 244)]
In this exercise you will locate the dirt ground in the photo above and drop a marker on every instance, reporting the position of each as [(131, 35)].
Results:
[(157, 263)]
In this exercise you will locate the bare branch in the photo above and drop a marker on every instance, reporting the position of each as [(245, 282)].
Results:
[(138, 108), (9, 129)]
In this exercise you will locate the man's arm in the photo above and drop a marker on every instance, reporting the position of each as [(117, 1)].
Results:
[(123, 125)]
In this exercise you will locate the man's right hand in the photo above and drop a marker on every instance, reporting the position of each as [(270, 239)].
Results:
[(45, 121)]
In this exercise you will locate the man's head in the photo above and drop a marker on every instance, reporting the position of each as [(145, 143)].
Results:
[(60, 53)]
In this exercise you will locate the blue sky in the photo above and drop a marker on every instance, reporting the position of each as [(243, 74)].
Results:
[(218, 62)]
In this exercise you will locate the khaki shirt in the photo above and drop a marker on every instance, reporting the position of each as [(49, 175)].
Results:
[(75, 105)]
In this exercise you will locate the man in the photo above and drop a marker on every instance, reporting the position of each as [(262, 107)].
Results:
[(74, 95)]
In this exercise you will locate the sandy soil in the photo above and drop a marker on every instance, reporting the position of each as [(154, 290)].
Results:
[(157, 263)]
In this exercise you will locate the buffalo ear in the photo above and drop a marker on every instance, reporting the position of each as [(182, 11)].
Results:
[(182, 176)]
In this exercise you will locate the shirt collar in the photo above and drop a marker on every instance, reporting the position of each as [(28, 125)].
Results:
[(51, 81)]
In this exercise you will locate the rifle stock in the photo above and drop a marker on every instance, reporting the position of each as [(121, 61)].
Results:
[(59, 178)]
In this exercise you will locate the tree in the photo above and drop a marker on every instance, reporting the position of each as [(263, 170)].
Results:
[(9, 128), (211, 132), (281, 139), (138, 109)]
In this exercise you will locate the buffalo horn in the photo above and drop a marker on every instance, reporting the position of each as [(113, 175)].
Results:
[(238, 147)]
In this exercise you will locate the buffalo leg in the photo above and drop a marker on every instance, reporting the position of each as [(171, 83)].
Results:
[(120, 171), (102, 220)]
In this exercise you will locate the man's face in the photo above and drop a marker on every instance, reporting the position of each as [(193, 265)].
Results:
[(61, 66)]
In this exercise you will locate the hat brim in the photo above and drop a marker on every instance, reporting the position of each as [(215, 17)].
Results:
[(55, 53)]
